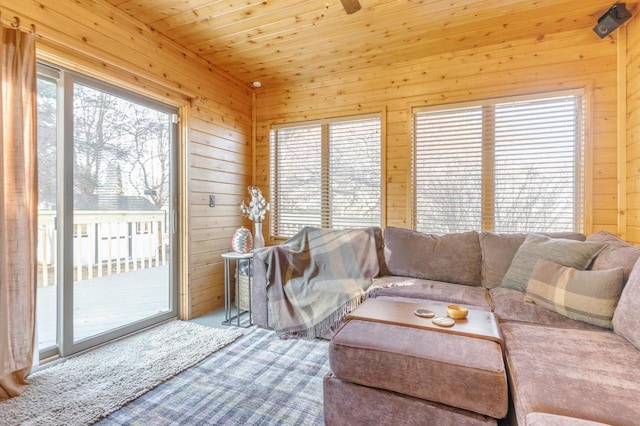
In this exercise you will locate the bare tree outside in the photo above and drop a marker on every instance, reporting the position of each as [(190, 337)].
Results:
[(148, 159), (121, 147), (98, 144)]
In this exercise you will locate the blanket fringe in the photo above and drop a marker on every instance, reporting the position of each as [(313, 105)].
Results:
[(329, 324)]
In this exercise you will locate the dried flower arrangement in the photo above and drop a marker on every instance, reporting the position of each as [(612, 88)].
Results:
[(257, 207)]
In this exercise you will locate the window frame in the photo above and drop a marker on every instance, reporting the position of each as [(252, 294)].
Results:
[(582, 172), (324, 123)]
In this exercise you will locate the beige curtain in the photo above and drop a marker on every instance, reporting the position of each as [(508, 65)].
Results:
[(18, 209)]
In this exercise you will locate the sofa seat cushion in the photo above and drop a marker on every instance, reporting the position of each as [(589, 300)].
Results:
[(508, 305), (590, 375), (450, 369), (432, 290)]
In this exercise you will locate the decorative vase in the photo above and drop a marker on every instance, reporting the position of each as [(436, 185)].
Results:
[(242, 242), (258, 239)]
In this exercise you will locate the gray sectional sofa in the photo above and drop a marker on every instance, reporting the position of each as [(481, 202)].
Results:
[(571, 353)]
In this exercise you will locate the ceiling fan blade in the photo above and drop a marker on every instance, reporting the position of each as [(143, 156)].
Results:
[(350, 6)]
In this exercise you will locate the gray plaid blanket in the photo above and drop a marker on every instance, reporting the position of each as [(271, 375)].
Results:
[(317, 277)]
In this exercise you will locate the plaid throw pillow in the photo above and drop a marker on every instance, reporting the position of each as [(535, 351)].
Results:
[(588, 296)]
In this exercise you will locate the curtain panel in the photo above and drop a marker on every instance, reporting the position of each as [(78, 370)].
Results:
[(18, 209)]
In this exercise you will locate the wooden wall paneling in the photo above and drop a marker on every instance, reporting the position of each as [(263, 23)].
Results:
[(632, 136), (254, 132), (452, 87), (219, 164), (477, 62), (547, 63), (621, 159), (215, 152)]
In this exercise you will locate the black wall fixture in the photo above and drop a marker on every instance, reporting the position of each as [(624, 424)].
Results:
[(612, 19)]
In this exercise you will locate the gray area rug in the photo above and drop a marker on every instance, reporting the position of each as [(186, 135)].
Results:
[(86, 388), (257, 380)]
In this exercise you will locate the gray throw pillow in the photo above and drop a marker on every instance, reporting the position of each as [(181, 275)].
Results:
[(575, 254)]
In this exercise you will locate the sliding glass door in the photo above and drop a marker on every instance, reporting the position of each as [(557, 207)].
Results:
[(107, 223)]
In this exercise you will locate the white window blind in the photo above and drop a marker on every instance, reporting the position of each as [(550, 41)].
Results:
[(448, 170), (326, 175), (509, 166), (296, 179)]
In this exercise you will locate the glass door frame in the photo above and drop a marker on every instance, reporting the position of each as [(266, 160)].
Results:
[(65, 212)]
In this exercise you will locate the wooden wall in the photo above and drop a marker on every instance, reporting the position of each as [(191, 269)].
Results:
[(546, 63), (216, 113), (631, 165)]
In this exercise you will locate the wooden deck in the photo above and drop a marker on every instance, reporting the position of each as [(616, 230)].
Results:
[(104, 303)]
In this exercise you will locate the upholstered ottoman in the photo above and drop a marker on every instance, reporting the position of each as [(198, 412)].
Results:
[(390, 374)]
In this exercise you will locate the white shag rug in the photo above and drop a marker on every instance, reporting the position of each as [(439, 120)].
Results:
[(88, 387)]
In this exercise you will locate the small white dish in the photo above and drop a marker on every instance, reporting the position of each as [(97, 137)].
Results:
[(443, 321)]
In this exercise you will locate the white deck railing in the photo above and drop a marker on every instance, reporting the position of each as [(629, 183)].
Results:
[(105, 243)]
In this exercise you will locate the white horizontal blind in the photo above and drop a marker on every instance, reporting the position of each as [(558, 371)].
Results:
[(448, 170), (509, 166), (296, 179), (536, 169), (354, 173), (326, 175)]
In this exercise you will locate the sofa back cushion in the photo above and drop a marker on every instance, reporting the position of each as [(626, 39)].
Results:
[(453, 258), (589, 296), (498, 251), (626, 319), (617, 253), (576, 254)]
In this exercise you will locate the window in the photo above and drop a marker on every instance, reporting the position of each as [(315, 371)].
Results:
[(508, 165), (326, 174)]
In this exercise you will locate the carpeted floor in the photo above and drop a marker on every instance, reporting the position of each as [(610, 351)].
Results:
[(85, 388), (257, 380)]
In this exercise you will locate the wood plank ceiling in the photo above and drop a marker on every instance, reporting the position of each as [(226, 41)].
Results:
[(286, 41)]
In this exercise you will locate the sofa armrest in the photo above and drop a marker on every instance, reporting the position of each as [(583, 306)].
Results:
[(259, 307)]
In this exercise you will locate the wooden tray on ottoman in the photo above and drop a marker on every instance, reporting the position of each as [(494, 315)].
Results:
[(479, 324)]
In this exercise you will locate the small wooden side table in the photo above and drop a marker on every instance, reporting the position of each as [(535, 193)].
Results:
[(238, 258)]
